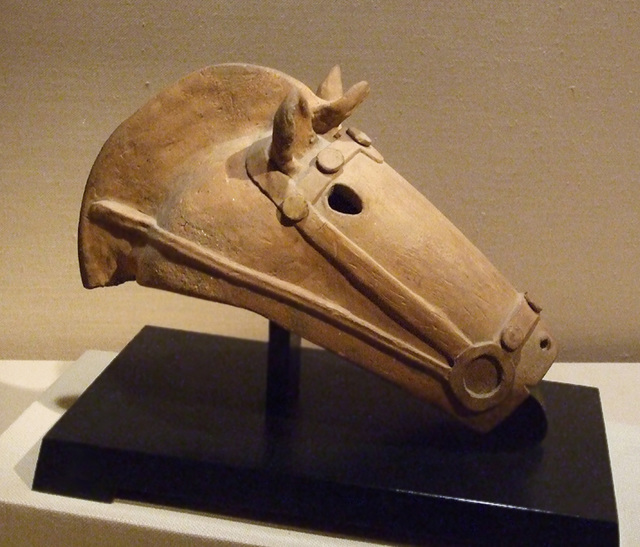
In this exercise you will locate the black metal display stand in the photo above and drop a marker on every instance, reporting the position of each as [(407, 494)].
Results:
[(195, 421)]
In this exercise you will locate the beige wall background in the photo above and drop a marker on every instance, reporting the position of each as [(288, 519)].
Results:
[(519, 120)]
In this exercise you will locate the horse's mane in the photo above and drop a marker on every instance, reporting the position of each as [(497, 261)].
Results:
[(203, 111)]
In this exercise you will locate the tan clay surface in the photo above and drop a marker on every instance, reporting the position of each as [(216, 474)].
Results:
[(240, 185)]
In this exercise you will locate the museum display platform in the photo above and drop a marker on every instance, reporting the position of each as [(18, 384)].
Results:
[(180, 419)]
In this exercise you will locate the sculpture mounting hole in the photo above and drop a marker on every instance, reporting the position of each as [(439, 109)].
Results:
[(344, 200)]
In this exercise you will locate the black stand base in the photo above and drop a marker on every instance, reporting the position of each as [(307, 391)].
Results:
[(179, 418)]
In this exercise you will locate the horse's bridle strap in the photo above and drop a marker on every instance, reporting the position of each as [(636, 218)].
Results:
[(115, 214), (397, 300), (296, 199)]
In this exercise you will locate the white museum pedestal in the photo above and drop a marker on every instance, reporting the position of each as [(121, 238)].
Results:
[(34, 394)]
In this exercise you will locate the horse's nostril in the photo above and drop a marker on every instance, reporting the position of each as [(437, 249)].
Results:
[(344, 200), (545, 343)]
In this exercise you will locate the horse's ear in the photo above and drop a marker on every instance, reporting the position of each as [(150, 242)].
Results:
[(293, 132), (330, 115), (331, 88)]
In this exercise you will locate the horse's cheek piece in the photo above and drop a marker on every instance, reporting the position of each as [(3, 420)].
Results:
[(238, 184)]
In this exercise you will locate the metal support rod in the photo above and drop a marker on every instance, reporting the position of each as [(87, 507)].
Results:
[(283, 371)]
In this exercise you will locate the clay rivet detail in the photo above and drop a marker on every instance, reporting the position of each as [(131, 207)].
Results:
[(511, 338), (330, 160), (359, 136), (482, 377), (295, 207)]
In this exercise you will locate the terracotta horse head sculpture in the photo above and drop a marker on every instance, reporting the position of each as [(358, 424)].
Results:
[(238, 184)]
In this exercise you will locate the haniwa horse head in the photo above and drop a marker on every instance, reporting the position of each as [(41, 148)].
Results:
[(238, 184)]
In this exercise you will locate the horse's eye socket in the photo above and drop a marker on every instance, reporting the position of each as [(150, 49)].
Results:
[(344, 200)]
